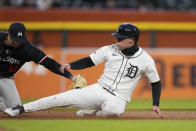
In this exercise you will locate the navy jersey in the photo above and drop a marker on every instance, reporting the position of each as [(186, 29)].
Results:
[(12, 59)]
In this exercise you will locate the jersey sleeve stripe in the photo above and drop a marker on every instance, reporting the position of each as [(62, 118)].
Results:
[(43, 59)]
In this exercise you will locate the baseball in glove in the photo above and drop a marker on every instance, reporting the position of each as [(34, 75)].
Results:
[(78, 82)]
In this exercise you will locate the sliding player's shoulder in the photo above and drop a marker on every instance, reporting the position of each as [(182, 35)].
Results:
[(109, 47)]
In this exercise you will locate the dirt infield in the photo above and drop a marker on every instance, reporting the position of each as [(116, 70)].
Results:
[(128, 115)]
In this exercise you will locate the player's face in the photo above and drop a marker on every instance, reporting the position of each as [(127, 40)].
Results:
[(11, 42), (125, 43)]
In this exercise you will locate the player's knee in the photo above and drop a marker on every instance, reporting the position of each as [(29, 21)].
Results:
[(105, 113), (113, 108), (114, 111)]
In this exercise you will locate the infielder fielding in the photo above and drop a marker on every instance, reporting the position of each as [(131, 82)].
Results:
[(15, 50), (125, 63)]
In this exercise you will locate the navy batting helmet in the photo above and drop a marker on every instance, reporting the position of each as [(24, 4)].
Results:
[(125, 31)]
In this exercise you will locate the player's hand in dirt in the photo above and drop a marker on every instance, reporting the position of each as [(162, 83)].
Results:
[(64, 67), (157, 110)]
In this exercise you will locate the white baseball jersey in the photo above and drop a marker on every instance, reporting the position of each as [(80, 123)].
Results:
[(121, 73)]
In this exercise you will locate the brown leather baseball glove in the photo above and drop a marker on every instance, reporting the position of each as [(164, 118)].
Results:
[(78, 82)]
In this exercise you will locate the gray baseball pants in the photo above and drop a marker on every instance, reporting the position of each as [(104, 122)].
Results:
[(9, 96)]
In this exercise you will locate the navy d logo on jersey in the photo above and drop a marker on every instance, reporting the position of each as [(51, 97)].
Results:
[(131, 71)]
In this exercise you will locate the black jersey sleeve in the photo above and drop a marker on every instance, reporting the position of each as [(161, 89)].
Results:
[(82, 63), (39, 57), (156, 92), (33, 53), (54, 66)]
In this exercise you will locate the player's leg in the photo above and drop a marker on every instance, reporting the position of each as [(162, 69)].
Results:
[(87, 97), (9, 96), (86, 112), (111, 106), (114, 106), (2, 104)]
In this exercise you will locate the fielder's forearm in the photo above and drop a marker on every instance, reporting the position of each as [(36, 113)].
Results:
[(156, 92), (82, 63), (53, 66)]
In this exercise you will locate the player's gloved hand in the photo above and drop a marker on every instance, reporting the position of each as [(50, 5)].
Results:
[(157, 110), (64, 67), (78, 82)]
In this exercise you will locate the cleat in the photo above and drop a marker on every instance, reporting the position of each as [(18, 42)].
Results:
[(15, 111)]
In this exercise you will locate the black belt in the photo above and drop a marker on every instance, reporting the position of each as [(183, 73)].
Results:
[(11, 77), (109, 91)]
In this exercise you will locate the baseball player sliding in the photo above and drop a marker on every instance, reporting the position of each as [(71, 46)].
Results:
[(125, 63), (15, 50)]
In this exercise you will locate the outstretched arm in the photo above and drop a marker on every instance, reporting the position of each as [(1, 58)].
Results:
[(39, 57), (78, 64), (53, 66), (82, 63), (156, 93)]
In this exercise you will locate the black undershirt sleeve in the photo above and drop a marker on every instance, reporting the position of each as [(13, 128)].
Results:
[(53, 66), (156, 92), (82, 63)]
